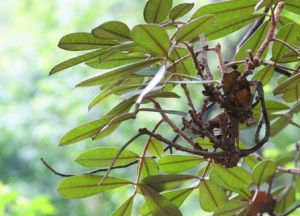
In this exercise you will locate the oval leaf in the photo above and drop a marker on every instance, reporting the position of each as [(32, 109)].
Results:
[(103, 156), (211, 197), (180, 10), (233, 207), (113, 30), (83, 41), (156, 148), (292, 5), (151, 37), (149, 167), (263, 171), (157, 204), (156, 11), (178, 163), (265, 75), (125, 209), (88, 185)]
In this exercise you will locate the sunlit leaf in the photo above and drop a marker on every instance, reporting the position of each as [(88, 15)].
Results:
[(156, 148), (292, 5), (178, 163), (180, 10), (103, 156), (184, 67), (290, 83), (265, 3), (263, 171), (157, 204), (149, 167), (289, 34), (83, 41), (251, 161), (177, 197), (163, 182), (211, 197), (157, 11), (151, 37), (125, 209), (121, 72), (194, 28), (88, 185), (114, 30), (233, 207)]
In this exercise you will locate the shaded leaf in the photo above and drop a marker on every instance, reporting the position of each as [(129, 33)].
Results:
[(194, 28), (157, 204), (177, 197), (254, 42), (184, 67), (103, 156), (251, 161), (265, 3), (83, 41), (289, 34), (180, 10), (290, 88), (265, 75), (151, 37), (157, 11), (149, 167), (178, 163), (263, 171), (285, 199), (88, 185), (121, 72), (125, 209), (156, 148), (163, 182), (233, 207), (211, 197), (113, 30)]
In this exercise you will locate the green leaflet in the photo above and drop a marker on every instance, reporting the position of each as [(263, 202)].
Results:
[(227, 8), (177, 197), (263, 171), (84, 131), (83, 41), (157, 204), (163, 182), (290, 87), (254, 42), (265, 75), (289, 34), (184, 67), (113, 30), (121, 72), (180, 10), (194, 28), (233, 207), (292, 5), (88, 185), (103, 156), (149, 167), (156, 148), (76, 60), (125, 209), (285, 199), (178, 163), (156, 11), (115, 60), (211, 197), (151, 37), (236, 177)]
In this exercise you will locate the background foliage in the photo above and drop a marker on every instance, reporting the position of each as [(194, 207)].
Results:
[(36, 111)]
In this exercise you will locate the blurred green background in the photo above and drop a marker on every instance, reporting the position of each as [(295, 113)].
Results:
[(36, 110)]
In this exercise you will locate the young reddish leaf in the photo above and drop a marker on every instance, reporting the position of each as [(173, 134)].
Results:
[(151, 37), (178, 163), (103, 156), (263, 171), (212, 197), (113, 30), (149, 167), (125, 209), (156, 11), (88, 185), (157, 204), (180, 10)]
